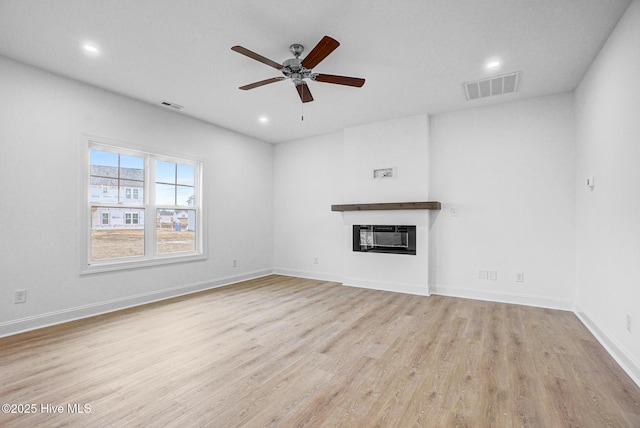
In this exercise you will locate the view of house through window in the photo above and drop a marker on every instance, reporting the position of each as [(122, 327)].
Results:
[(113, 177), (175, 231), (175, 188), (122, 197)]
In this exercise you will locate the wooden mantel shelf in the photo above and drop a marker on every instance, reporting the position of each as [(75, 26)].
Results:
[(431, 205)]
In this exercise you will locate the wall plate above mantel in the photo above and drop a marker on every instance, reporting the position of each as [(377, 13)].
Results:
[(383, 173), (429, 205)]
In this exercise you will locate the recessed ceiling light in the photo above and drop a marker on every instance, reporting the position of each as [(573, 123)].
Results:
[(492, 65), (90, 48), (263, 119)]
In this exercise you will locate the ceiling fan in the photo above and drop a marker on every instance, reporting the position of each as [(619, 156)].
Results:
[(298, 70)]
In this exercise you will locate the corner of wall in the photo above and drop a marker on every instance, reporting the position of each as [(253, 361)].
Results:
[(628, 363)]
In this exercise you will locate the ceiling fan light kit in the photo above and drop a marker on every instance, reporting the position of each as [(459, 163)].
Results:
[(298, 70)]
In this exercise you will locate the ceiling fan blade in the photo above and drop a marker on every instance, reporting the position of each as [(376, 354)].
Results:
[(339, 80), (320, 52), (304, 92), (261, 83), (257, 57)]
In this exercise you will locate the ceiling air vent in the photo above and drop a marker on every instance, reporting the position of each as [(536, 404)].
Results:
[(172, 105), (496, 85)]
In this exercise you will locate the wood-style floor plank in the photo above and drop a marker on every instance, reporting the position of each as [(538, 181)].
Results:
[(290, 352)]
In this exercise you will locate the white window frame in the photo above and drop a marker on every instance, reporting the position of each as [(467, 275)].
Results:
[(150, 258)]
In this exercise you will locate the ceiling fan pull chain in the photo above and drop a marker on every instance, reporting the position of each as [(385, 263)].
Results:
[(301, 112)]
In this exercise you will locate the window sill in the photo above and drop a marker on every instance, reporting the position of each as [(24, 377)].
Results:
[(123, 265)]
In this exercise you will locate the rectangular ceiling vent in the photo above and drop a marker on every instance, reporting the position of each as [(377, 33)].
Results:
[(172, 105), (497, 85)]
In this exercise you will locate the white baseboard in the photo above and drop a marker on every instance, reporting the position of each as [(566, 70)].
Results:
[(617, 352), (387, 286), (513, 298), (321, 276), (21, 325)]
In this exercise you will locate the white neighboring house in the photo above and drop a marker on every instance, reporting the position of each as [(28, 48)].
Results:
[(104, 189), (117, 218)]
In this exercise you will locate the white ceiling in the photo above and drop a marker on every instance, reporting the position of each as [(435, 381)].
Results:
[(414, 54)]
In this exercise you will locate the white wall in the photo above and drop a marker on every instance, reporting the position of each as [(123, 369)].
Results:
[(401, 143), (508, 171), (308, 179), (608, 218), (40, 126)]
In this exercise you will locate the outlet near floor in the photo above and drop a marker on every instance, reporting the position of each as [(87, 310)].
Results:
[(20, 296)]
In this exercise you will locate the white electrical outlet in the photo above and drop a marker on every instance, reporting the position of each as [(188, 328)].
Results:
[(234, 263), (493, 275), (316, 260), (483, 274), (20, 296), (629, 323), (520, 277)]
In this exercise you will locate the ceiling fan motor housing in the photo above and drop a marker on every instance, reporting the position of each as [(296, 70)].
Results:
[(293, 69)]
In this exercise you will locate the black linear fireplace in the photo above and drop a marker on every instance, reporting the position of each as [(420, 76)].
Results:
[(384, 239)]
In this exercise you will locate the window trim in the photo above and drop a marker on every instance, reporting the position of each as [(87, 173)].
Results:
[(151, 258)]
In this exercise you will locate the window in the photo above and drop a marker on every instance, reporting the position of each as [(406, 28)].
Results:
[(124, 187), (131, 218)]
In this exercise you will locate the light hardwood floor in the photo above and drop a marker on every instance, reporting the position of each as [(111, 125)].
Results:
[(290, 352)]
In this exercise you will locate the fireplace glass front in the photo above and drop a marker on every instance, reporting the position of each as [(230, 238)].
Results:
[(384, 239)]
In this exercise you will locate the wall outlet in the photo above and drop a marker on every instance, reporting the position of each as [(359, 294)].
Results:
[(234, 263), (520, 277), (20, 296), (316, 260), (493, 275), (483, 274), (629, 323)]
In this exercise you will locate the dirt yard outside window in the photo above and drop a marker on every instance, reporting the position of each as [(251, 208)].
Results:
[(112, 244)]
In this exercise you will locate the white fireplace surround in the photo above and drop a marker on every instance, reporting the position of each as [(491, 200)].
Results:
[(389, 272)]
